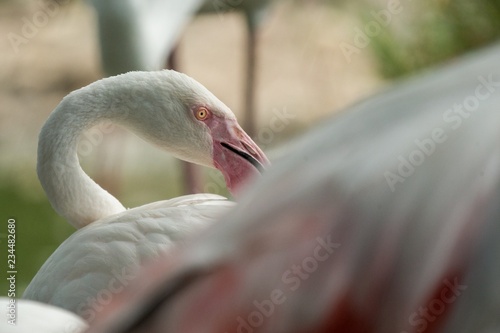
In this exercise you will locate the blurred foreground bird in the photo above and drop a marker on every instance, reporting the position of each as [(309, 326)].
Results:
[(173, 112), (384, 219)]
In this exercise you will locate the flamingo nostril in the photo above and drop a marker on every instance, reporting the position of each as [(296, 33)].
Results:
[(249, 148)]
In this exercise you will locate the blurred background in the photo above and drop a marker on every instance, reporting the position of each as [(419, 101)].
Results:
[(311, 58)]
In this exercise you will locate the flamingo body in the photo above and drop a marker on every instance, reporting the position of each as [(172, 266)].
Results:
[(327, 242), (172, 111), (103, 257)]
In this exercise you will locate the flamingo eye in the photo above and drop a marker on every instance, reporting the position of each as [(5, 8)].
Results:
[(202, 113)]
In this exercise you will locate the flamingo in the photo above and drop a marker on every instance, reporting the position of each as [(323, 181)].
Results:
[(384, 219), (29, 316), (168, 109), (140, 35)]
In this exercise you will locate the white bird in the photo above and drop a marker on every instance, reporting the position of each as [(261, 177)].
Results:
[(24, 316), (139, 35), (168, 109), (142, 34), (384, 219)]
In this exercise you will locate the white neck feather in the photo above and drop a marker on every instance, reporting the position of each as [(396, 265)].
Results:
[(154, 105), (72, 193)]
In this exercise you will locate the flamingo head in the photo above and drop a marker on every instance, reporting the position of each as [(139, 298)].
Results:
[(234, 153), (187, 120)]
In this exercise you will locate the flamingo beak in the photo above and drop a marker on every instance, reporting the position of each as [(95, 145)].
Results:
[(236, 155)]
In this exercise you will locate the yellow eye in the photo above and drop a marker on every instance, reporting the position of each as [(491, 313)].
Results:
[(201, 113)]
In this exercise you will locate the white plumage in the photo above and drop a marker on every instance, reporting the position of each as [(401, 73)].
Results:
[(101, 258), (141, 34), (37, 317), (168, 109)]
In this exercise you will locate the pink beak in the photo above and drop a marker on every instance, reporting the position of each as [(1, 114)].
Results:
[(235, 154)]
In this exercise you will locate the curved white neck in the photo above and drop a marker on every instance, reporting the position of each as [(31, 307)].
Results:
[(72, 193), (153, 105)]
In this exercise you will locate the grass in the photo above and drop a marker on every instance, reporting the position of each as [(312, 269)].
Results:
[(39, 230)]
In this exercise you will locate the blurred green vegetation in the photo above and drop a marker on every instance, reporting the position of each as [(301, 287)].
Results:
[(434, 32), (37, 227)]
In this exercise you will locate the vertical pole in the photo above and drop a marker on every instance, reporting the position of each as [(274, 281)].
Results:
[(251, 55)]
